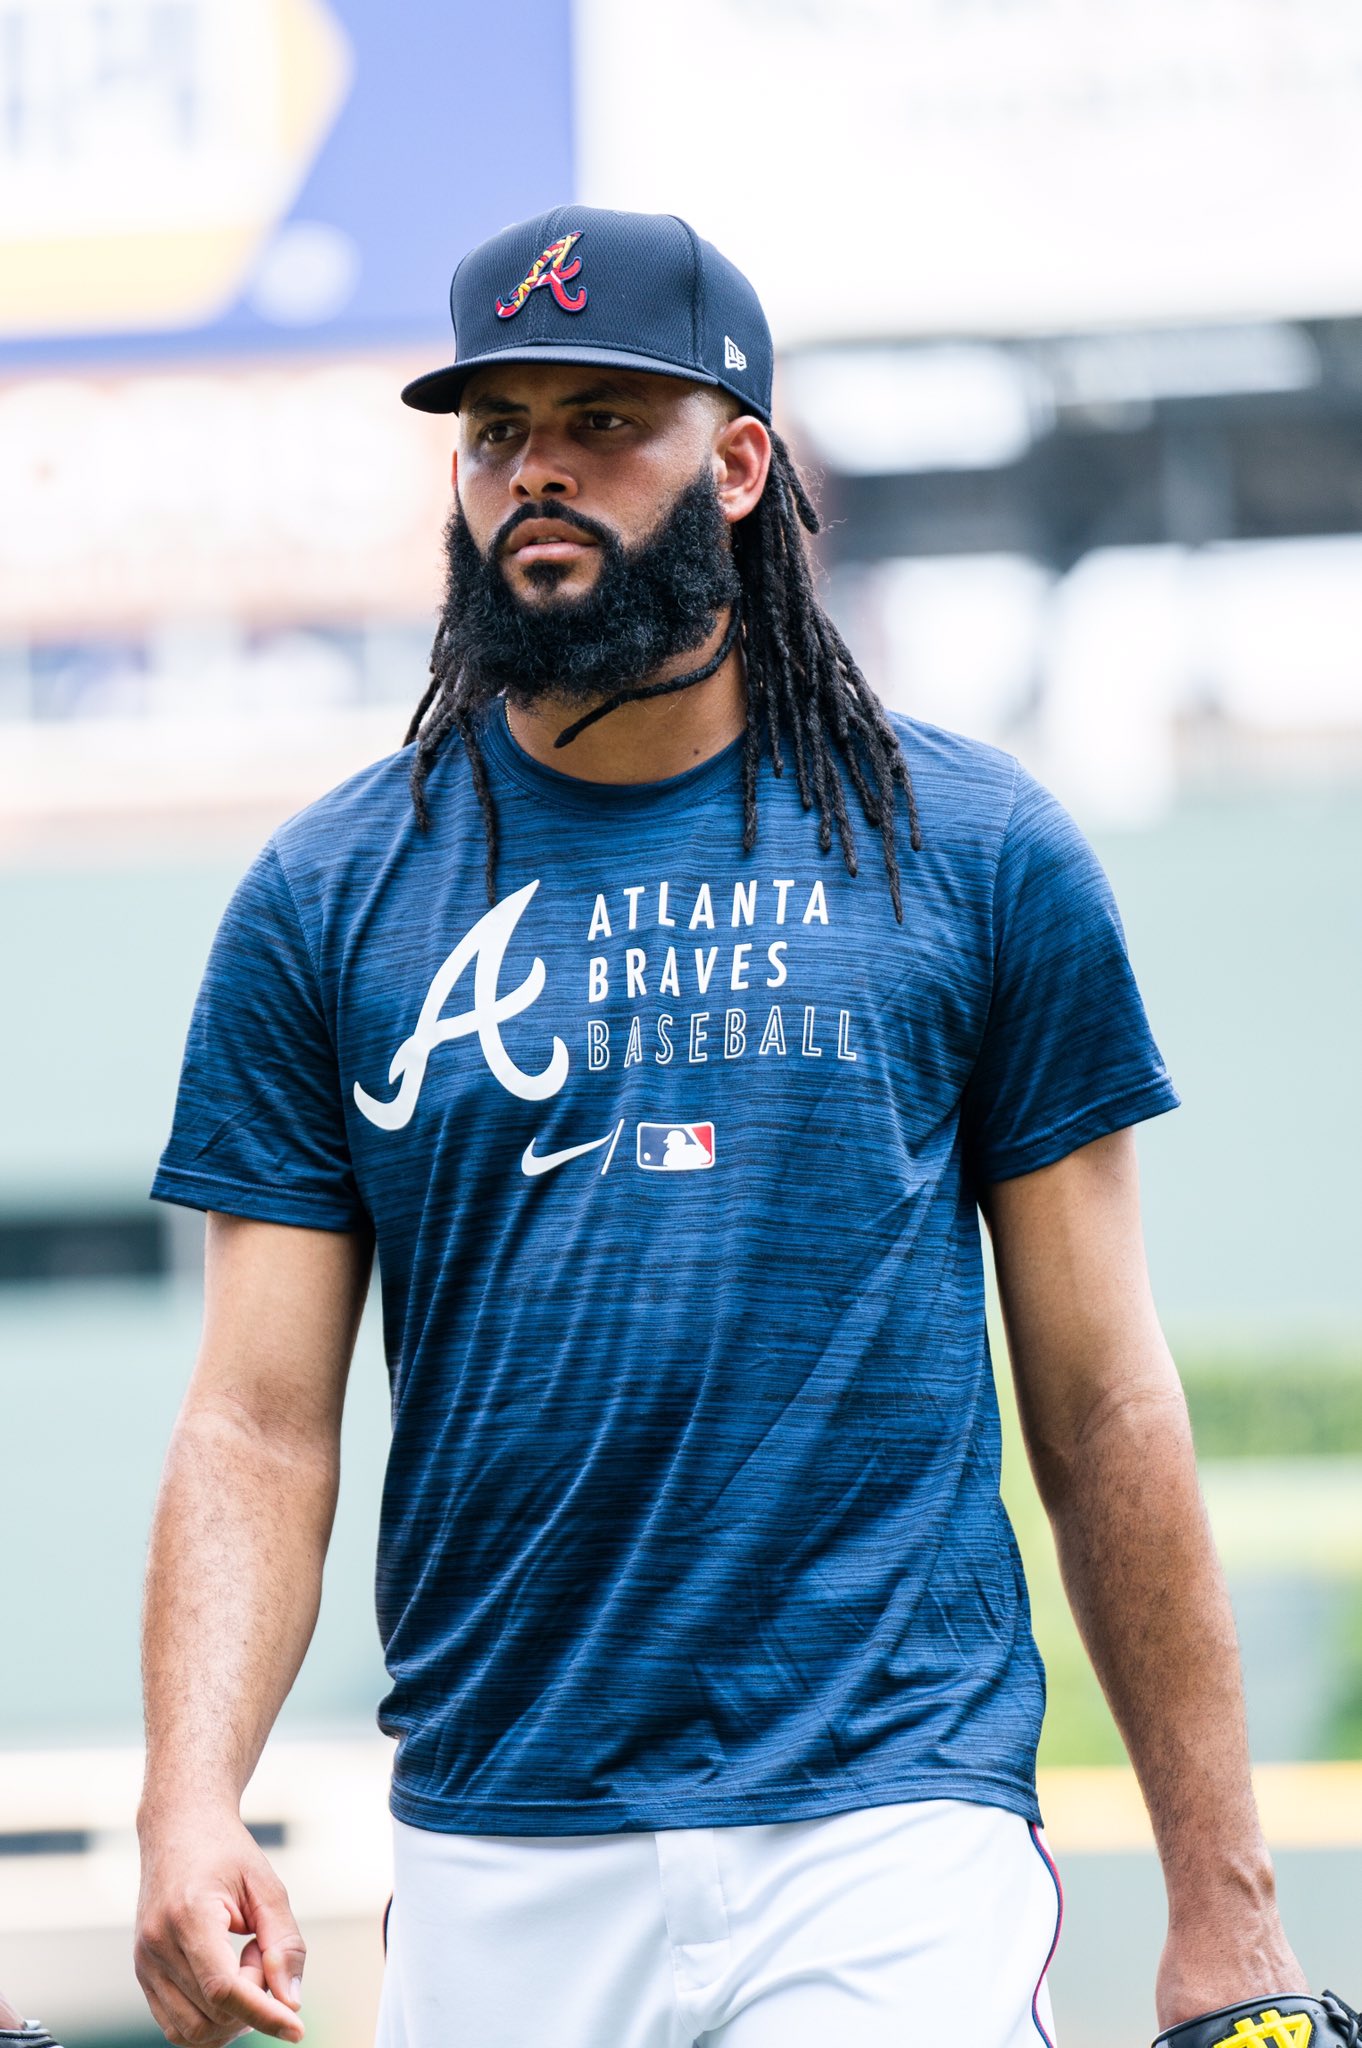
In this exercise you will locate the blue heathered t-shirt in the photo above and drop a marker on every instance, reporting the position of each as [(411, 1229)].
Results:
[(672, 1159)]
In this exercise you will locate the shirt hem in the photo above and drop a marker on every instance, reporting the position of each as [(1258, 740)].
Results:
[(1099, 1120), (699, 1810), (260, 1205)]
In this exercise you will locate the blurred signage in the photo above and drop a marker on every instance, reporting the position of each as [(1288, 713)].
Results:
[(227, 173), (994, 166), (287, 491), (150, 150)]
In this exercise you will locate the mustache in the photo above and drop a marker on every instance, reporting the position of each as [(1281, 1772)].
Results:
[(564, 515)]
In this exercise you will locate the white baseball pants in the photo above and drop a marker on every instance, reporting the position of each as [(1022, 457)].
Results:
[(934, 1920)]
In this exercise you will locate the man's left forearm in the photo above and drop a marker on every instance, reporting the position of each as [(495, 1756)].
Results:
[(1149, 1596), (1106, 1430)]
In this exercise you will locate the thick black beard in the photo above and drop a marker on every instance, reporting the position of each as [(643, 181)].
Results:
[(648, 604)]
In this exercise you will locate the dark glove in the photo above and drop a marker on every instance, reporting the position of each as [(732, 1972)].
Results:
[(1291, 2021)]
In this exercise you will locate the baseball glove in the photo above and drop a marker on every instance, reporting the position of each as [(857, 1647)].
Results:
[(1290, 2021)]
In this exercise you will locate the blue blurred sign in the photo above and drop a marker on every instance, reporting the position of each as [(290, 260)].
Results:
[(221, 176)]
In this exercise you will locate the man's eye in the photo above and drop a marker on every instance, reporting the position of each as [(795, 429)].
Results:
[(602, 422), (497, 430)]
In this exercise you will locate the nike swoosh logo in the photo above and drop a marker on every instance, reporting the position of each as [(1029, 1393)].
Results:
[(533, 1162)]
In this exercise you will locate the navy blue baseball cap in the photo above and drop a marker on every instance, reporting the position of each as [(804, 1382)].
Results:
[(587, 285)]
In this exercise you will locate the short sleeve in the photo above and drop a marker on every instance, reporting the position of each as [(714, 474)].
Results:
[(259, 1126), (1067, 1054)]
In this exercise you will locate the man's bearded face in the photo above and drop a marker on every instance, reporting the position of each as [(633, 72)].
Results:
[(648, 604)]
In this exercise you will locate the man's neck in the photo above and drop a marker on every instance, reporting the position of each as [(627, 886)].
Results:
[(647, 741)]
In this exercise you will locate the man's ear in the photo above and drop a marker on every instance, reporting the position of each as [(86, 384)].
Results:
[(454, 471), (742, 461)]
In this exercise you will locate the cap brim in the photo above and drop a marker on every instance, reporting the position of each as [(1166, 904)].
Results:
[(441, 390)]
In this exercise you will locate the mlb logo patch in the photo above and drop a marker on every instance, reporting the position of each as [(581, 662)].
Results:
[(675, 1148)]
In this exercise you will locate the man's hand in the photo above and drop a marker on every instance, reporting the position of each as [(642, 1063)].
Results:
[(202, 1882), (1219, 1959)]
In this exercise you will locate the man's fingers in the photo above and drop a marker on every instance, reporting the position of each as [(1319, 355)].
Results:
[(163, 1972), (182, 2023), (187, 2017), (281, 1948), (169, 2017), (284, 1975), (229, 1992), (181, 2005)]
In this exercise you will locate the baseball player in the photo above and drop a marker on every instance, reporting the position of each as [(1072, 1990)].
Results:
[(712, 1678)]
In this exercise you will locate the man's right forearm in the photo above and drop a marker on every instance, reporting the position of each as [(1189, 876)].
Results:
[(233, 1586)]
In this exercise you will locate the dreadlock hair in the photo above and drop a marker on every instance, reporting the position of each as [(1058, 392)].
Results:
[(804, 691)]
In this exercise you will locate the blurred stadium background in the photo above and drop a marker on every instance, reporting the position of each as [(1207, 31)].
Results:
[(1069, 308)]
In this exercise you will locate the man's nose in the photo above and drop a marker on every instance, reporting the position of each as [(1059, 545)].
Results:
[(543, 471)]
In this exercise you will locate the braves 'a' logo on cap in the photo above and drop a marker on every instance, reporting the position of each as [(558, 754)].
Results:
[(552, 269)]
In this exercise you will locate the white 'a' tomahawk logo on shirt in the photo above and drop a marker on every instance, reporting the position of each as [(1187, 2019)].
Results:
[(485, 944)]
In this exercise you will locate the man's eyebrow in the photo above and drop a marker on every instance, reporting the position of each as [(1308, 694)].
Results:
[(492, 404), (590, 394)]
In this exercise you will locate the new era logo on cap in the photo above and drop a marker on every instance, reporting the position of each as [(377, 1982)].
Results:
[(734, 359), (675, 1148)]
